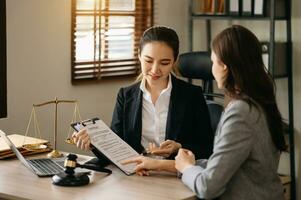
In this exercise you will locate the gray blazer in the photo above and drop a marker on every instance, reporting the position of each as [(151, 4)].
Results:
[(244, 161)]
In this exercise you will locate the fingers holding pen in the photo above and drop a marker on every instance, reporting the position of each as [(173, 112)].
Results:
[(166, 143), (165, 149)]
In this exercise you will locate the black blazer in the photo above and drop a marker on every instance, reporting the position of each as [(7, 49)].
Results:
[(188, 119)]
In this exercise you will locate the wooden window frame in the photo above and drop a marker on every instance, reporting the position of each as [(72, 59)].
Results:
[(97, 69), (3, 62)]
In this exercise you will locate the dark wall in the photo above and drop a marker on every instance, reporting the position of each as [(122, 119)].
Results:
[(3, 80)]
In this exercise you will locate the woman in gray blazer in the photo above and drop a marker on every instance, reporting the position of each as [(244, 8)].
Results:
[(249, 136)]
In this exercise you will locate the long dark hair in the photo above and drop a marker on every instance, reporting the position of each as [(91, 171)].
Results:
[(161, 34), (239, 49)]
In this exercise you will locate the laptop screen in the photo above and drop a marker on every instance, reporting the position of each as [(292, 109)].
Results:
[(15, 150)]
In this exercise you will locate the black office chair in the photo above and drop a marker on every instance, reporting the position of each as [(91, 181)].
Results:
[(197, 65)]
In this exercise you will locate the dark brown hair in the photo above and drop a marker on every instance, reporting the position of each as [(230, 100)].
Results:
[(161, 34), (247, 79)]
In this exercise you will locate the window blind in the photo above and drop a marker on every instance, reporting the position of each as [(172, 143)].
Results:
[(106, 35)]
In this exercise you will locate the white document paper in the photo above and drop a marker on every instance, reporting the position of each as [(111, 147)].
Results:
[(111, 145)]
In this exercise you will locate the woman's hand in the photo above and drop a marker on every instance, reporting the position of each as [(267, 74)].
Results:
[(166, 148), (184, 159), (144, 164), (82, 139)]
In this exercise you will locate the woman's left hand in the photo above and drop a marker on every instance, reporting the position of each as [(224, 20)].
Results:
[(184, 159), (166, 148)]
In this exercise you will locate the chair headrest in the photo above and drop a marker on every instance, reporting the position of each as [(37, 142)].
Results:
[(196, 65)]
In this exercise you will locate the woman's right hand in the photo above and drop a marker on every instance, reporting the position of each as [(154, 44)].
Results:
[(144, 164), (166, 148), (184, 160), (82, 139)]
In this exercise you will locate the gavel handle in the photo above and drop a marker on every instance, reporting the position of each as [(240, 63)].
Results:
[(95, 168)]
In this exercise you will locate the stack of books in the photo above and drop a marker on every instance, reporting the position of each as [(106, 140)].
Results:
[(209, 7), (26, 145), (260, 8)]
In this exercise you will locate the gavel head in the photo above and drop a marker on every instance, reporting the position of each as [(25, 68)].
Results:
[(70, 164), (69, 178)]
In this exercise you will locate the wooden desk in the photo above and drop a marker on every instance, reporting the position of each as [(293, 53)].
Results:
[(17, 182)]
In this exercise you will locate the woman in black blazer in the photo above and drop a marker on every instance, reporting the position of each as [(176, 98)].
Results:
[(187, 123), (160, 114)]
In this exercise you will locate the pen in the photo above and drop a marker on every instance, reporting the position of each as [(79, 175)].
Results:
[(145, 152)]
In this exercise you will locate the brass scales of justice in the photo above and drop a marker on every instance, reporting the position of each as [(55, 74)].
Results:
[(36, 147)]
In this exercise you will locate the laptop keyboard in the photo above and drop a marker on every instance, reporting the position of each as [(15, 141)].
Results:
[(45, 166)]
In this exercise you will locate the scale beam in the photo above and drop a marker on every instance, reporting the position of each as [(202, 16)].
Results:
[(55, 153)]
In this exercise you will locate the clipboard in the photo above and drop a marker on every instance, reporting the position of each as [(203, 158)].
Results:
[(106, 143)]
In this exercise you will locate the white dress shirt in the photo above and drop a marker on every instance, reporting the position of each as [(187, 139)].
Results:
[(154, 116)]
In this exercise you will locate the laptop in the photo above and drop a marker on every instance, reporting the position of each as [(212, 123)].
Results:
[(43, 167)]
